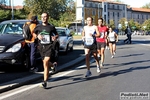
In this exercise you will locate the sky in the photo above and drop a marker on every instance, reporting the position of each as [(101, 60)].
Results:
[(136, 3), (132, 3), (18, 2)]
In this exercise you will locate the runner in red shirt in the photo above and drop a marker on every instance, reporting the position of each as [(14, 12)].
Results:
[(101, 41)]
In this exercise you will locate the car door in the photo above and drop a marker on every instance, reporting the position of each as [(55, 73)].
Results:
[(70, 38)]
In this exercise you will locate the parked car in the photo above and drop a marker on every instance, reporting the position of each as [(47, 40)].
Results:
[(66, 39), (12, 43)]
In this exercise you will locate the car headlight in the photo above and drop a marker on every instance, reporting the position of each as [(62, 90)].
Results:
[(15, 48)]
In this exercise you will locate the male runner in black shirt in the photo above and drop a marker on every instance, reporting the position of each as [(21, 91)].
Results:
[(45, 35)]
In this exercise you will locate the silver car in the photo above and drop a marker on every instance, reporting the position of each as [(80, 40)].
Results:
[(66, 39)]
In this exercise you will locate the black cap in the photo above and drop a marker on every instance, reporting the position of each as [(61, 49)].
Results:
[(34, 18)]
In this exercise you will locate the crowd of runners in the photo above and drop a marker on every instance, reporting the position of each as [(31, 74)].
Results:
[(96, 39)]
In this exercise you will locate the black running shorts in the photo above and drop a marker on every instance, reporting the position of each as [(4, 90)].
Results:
[(45, 50), (93, 47)]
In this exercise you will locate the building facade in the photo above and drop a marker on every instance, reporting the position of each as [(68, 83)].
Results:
[(109, 10)]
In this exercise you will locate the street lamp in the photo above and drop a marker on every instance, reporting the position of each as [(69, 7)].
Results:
[(12, 5)]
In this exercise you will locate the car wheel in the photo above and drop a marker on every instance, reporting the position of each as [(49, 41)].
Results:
[(57, 51), (26, 62), (66, 52), (71, 49)]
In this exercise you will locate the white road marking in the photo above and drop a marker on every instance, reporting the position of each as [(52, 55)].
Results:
[(54, 77)]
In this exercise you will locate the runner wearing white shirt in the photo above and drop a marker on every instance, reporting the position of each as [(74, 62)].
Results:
[(113, 38), (90, 44)]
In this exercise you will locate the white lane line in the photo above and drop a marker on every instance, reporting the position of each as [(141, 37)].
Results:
[(33, 86), (54, 77)]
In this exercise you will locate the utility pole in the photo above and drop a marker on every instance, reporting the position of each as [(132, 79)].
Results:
[(12, 7), (98, 10)]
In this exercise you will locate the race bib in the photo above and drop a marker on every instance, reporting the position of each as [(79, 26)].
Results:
[(46, 39), (102, 35), (89, 41)]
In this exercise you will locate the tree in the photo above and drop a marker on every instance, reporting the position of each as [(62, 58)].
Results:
[(147, 6), (122, 22), (5, 15), (2, 4), (146, 25), (112, 24), (53, 7), (132, 24), (138, 26)]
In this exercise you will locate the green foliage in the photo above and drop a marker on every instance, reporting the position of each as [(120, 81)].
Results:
[(138, 26), (112, 24), (147, 24), (122, 22), (5, 15), (147, 6), (53, 7), (62, 12), (131, 24)]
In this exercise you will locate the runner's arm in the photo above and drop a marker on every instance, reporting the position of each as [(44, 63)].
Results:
[(97, 32), (83, 33)]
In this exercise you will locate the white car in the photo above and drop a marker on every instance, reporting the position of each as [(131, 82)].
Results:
[(65, 38)]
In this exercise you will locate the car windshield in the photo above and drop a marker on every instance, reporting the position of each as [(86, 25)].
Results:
[(11, 28), (61, 32)]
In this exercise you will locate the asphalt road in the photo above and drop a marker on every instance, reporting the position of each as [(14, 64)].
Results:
[(128, 71)]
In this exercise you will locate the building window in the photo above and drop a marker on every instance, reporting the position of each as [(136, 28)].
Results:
[(105, 17), (117, 6), (118, 14), (93, 12), (108, 5), (142, 16), (113, 14), (104, 8), (108, 14), (123, 7), (93, 5), (113, 6)]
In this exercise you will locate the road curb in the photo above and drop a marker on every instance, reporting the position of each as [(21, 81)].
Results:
[(36, 76)]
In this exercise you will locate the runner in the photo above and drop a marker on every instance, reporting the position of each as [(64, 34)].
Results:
[(45, 35), (89, 44), (112, 38), (101, 41)]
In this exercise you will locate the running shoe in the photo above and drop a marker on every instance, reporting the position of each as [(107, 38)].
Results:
[(114, 53), (43, 84), (98, 70), (88, 73), (34, 69), (112, 56)]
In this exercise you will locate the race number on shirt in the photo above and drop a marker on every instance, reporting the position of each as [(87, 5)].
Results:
[(89, 41), (46, 39), (102, 35)]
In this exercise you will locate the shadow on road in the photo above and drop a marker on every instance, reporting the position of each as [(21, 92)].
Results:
[(80, 78), (129, 55)]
